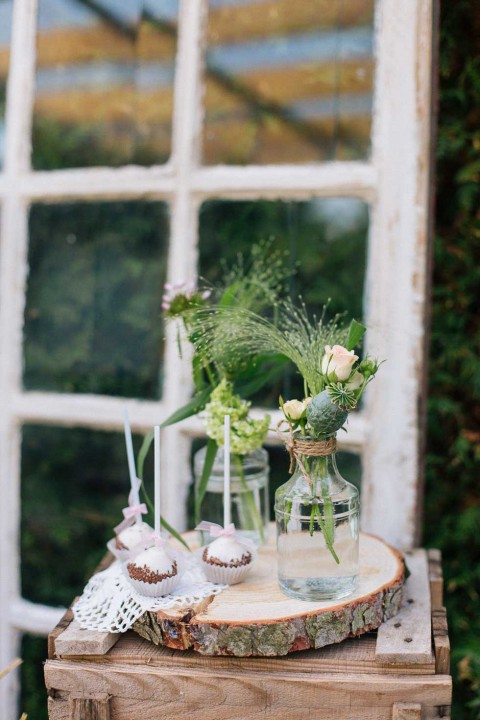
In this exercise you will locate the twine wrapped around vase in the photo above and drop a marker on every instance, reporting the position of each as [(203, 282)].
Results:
[(296, 447)]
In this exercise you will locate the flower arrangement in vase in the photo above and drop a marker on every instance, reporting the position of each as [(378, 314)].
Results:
[(317, 511), (223, 382)]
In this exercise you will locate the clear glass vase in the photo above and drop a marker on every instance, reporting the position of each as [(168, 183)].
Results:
[(317, 516), (249, 475)]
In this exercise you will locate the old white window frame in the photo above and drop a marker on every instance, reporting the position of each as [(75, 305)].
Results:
[(395, 182)]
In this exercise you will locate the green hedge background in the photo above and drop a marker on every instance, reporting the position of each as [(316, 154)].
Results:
[(452, 503)]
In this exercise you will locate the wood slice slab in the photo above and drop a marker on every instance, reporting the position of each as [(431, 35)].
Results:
[(255, 618)]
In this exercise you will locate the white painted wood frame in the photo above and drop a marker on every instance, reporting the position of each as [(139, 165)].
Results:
[(395, 183)]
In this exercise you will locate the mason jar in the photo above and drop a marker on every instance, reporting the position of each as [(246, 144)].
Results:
[(249, 476)]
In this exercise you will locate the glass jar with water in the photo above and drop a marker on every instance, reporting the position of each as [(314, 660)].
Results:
[(317, 517), (249, 476)]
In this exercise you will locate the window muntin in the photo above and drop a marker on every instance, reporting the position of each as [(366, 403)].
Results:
[(93, 317), (283, 86), (104, 83)]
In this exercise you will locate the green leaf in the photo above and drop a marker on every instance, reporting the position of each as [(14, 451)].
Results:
[(210, 456), (198, 374), (195, 405), (228, 297), (143, 452), (355, 334)]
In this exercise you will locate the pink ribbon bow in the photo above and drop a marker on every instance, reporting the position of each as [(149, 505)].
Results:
[(216, 531), (130, 513)]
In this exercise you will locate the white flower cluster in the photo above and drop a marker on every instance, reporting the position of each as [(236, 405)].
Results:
[(246, 434)]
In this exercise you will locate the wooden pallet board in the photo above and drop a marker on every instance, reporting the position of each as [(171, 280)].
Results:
[(408, 636), (136, 680)]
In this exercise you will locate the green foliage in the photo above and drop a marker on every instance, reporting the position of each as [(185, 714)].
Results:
[(356, 332), (236, 332), (452, 507), (326, 241), (57, 145)]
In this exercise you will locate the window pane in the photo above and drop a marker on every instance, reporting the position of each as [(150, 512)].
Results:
[(6, 7), (104, 83), (326, 239), (92, 317), (74, 485), (288, 81)]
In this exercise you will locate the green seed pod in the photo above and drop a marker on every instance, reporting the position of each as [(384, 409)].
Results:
[(325, 416)]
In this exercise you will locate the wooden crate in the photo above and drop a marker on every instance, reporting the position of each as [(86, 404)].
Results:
[(399, 673)]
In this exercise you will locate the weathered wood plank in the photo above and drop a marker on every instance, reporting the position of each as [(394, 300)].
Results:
[(436, 577), (407, 711), (355, 655), (441, 641), (279, 691), (82, 708), (75, 641), (59, 708), (138, 709), (408, 637), (57, 631)]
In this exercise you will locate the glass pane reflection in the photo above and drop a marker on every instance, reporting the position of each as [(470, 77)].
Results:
[(6, 7), (92, 316), (104, 83), (288, 82), (74, 486), (326, 239)]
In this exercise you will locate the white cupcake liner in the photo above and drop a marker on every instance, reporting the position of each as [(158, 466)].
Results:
[(122, 555), (164, 587), (225, 575)]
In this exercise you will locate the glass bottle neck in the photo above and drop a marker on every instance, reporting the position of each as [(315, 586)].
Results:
[(323, 465), (322, 473)]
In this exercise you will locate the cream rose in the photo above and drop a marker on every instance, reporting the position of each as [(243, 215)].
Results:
[(337, 362), (293, 409)]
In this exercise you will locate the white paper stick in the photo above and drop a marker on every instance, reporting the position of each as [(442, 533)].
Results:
[(226, 470), (156, 437), (131, 463)]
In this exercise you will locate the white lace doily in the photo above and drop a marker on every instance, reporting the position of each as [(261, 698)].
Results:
[(110, 604)]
